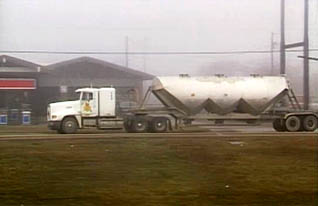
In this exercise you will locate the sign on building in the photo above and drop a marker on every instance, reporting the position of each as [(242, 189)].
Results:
[(14, 83)]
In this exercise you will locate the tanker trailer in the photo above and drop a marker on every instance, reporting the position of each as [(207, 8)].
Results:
[(220, 95), (254, 96)]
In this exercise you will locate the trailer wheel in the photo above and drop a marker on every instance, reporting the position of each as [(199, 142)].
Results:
[(159, 124), (279, 126), (310, 123), (139, 125), (69, 125), (293, 124)]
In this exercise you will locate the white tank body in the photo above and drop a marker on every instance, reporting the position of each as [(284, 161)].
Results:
[(220, 95)]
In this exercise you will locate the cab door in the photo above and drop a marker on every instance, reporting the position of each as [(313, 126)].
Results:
[(89, 107)]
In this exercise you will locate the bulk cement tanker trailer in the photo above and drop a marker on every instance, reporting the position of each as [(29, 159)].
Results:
[(187, 99)]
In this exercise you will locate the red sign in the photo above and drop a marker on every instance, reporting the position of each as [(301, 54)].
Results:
[(17, 84)]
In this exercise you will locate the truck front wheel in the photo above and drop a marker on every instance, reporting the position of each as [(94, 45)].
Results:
[(69, 125), (310, 123)]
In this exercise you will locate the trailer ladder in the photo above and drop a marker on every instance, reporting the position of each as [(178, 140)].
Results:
[(292, 98)]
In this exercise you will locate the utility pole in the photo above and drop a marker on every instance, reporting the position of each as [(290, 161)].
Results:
[(304, 44)]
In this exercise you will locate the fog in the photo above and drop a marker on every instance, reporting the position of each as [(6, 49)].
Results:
[(159, 26)]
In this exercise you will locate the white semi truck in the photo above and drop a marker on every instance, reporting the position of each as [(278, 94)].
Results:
[(186, 99)]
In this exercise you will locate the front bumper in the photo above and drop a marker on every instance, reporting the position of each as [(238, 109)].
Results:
[(54, 125)]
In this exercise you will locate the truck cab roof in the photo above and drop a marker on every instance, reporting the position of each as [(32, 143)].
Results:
[(89, 89)]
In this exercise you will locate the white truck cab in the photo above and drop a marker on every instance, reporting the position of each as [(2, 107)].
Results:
[(93, 105)]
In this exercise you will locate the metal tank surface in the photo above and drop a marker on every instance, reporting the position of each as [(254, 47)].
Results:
[(220, 94)]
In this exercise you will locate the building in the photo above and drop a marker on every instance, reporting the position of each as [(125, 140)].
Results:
[(28, 86), (18, 85)]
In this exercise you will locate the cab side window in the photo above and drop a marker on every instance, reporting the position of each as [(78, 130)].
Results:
[(87, 96)]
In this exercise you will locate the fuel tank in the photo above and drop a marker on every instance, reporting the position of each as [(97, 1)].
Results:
[(220, 94)]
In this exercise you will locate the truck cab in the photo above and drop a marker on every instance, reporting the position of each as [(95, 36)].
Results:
[(92, 106)]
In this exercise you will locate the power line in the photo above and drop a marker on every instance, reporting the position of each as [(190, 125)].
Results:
[(152, 53), (310, 58)]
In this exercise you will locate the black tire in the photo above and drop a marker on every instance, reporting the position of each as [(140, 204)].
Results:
[(139, 125), (128, 120), (293, 124), (69, 125), (310, 123), (159, 124), (60, 131), (279, 126)]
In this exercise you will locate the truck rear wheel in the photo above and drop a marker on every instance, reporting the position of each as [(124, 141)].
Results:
[(310, 123), (139, 125), (69, 125), (159, 124), (279, 126), (293, 124), (128, 121)]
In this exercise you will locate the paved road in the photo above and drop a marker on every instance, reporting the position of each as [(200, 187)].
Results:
[(197, 132), (41, 132)]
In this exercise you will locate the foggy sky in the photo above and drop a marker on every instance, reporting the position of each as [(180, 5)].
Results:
[(154, 25)]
